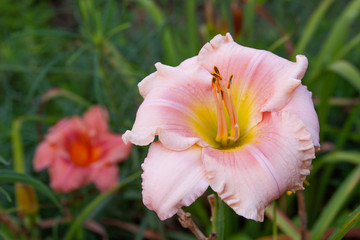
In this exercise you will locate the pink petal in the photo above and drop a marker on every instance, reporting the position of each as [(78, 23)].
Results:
[(252, 176), (44, 156), (64, 130), (106, 177), (56, 133), (168, 108), (302, 105), (172, 179), (260, 77), (113, 148), (96, 119), (66, 177)]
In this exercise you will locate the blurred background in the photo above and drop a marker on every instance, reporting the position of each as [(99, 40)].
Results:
[(57, 58)]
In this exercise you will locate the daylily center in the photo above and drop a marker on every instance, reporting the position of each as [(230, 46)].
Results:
[(83, 153), (226, 135)]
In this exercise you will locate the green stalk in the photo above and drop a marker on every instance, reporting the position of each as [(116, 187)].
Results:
[(274, 221), (218, 218), (18, 149)]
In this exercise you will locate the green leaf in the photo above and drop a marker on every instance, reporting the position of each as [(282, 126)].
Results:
[(348, 71), (7, 176), (86, 212), (335, 204), (348, 222)]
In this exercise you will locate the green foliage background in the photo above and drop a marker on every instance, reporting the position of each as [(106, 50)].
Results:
[(97, 51)]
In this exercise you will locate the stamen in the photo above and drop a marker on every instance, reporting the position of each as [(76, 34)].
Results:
[(213, 82), (229, 82), (225, 97), (222, 94), (235, 130), (221, 135), (216, 75), (216, 70)]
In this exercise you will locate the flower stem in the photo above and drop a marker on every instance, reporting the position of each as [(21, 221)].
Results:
[(217, 218), (187, 222), (302, 213), (274, 221)]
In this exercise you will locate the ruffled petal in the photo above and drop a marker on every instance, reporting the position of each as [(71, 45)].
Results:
[(96, 119), (112, 148), (172, 179), (66, 177), (44, 156), (169, 110), (105, 177), (302, 105), (262, 80), (252, 176)]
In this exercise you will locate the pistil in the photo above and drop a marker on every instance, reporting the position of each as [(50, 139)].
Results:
[(223, 97)]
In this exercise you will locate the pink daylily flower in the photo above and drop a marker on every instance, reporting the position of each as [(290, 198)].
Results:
[(79, 151), (233, 118)]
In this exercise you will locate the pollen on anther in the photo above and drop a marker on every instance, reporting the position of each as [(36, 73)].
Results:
[(213, 82), (216, 75), (216, 70), (229, 82)]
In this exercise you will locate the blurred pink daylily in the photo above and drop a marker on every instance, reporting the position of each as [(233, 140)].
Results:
[(79, 151), (235, 118)]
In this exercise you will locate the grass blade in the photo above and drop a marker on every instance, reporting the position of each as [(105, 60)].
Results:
[(193, 36), (249, 19), (6, 194), (348, 47), (312, 25), (336, 157), (285, 224), (43, 74), (335, 39), (348, 72), (335, 204), (168, 42), (347, 127), (348, 222), (3, 161), (7, 176), (93, 204)]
